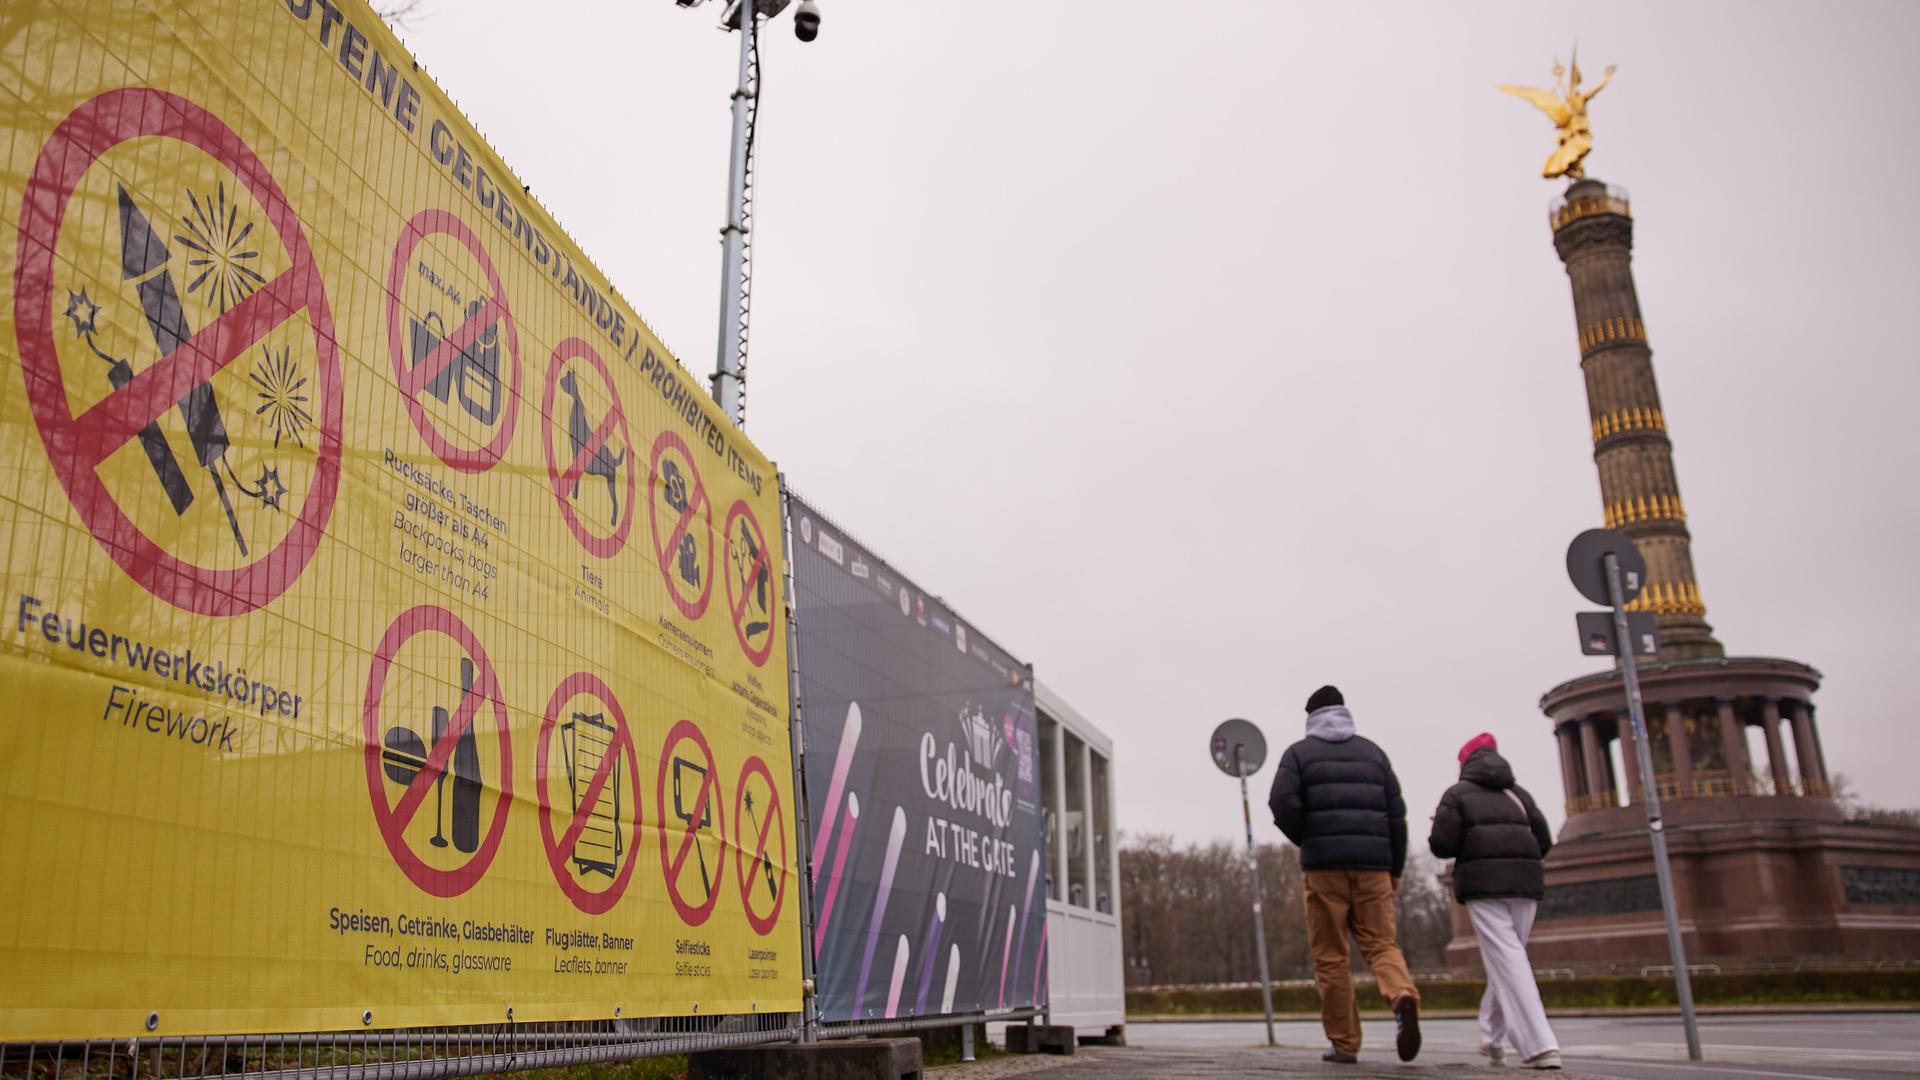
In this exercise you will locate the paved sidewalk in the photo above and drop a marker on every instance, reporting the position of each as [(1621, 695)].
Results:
[(1809, 1046), (1137, 1063)]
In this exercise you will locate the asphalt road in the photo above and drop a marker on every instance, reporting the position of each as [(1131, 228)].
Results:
[(1789, 1046)]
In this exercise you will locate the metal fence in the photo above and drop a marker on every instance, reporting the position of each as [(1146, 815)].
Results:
[(437, 1052), (401, 1054), (906, 1025)]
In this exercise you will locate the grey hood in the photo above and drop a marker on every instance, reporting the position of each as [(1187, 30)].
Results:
[(1333, 723)]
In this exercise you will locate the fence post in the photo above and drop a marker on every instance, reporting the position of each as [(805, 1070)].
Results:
[(802, 822)]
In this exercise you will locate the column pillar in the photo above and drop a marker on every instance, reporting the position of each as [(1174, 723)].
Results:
[(1733, 747), (1776, 752), (1596, 766), (1805, 758), (1086, 821), (1682, 750), (1567, 737), (1815, 751), (1060, 786), (1630, 758)]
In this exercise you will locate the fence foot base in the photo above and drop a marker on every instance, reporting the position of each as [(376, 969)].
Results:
[(841, 1059), (959, 1039), (1040, 1039), (1115, 1036)]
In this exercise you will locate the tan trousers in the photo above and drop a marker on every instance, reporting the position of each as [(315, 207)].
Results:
[(1363, 901)]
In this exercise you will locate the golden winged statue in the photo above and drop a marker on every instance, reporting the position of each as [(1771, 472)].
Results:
[(1566, 106)]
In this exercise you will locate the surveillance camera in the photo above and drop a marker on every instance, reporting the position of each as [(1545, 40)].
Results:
[(806, 20), (689, 3)]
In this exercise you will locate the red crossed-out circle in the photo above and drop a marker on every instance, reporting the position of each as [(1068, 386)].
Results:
[(564, 483), (77, 445), (749, 869), (413, 381), (762, 562), (665, 553), (673, 865), (560, 848), (394, 818)]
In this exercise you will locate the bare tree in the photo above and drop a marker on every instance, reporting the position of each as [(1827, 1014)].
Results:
[(1424, 913), (1188, 917), (401, 12), (1857, 809), (1187, 912)]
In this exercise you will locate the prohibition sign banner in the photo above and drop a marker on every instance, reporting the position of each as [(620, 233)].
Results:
[(599, 743), (78, 445), (587, 441), (756, 872), (694, 800), (754, 604), (393, 818), (674, 566), (414, 380)]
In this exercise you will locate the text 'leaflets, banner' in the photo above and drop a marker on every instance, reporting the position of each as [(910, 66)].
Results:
[(362, 545), (924, 790)]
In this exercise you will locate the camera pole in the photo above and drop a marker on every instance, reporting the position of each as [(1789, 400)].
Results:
[(1630, 671), (727, 375)]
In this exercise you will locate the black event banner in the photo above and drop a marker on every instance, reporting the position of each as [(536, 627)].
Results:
[(923, 779)]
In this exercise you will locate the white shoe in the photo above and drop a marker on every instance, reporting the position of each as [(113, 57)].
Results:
[(1546, 1059), (1495, 1055)]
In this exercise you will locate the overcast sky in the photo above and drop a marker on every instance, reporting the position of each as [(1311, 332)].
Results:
[(1202, 353)]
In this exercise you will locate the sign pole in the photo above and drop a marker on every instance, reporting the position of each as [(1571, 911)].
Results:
[(1253, 872), (1630, 670)]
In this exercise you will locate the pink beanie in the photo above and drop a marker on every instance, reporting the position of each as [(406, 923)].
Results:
[(1483, 739)]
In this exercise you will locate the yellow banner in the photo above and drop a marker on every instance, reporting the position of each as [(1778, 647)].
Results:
[(393, 627)]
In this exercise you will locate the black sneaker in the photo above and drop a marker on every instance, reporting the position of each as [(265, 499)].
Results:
[(1335, 1057), (1406, 1027)]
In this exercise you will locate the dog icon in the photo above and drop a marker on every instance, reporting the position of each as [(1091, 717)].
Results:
[(603, 462)]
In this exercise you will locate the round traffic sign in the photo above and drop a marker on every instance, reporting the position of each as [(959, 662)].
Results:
[(78, 445), (1586, 565), (1238, 748)]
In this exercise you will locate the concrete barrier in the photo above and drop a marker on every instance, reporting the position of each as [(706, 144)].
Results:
[(1040, 1039), (841, 1059)]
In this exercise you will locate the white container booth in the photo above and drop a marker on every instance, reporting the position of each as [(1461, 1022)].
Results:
[(1086, 980)]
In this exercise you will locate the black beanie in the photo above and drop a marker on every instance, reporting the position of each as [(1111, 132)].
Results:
[(1323, 697)]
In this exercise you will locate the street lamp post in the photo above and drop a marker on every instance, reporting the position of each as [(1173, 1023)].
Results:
[(729, 371)]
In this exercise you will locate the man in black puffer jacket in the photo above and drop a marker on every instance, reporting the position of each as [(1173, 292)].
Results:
[(1497, 837), (1336, 798)]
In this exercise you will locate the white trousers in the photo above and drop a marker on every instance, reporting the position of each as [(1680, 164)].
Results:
[(1510, 1010)]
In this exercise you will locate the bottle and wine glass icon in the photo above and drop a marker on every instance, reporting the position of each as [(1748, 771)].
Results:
[(404, 754)]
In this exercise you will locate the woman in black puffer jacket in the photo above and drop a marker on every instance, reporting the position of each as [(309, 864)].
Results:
[(1497, 837)]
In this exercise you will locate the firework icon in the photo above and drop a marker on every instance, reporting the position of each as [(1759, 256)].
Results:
[(220, 261), (279, 385)]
